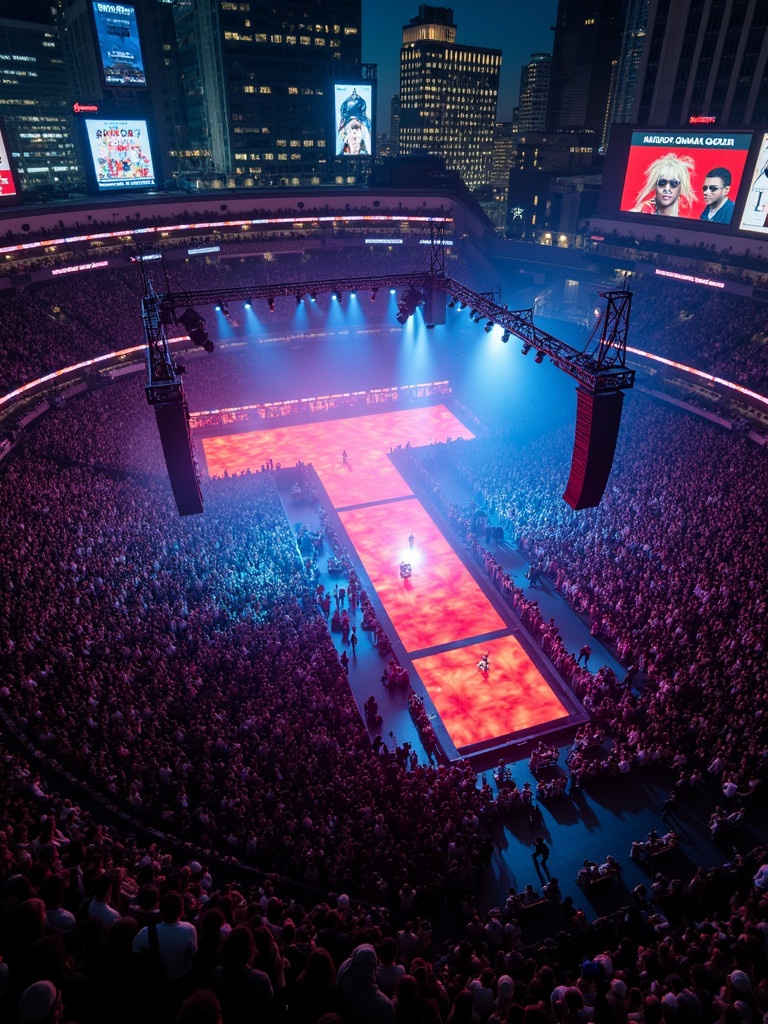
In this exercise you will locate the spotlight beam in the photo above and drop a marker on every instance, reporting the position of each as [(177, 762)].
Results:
[(600, 366)]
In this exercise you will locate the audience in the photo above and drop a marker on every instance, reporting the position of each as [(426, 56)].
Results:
[(182, 671)]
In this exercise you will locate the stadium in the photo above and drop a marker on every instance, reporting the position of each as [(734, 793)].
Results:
[(331, 591)]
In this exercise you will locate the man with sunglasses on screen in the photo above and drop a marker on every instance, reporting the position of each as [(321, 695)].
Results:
[(718, 208)]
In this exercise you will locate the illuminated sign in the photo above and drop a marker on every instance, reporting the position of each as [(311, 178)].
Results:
[(755, 216), (690, 175), (82, 266), (85, 108), (121, 155), (352, 108), (203, 249), (689, 277), (117, 32), (7, 183), (702, 119)]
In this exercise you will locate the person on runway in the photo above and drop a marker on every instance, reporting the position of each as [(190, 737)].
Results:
[(483, 664), (584, 653)]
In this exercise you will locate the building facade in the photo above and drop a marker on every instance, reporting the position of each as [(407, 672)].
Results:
[(257, 83), (534, 93), (704, 60), (586, 46), (448, 96), (34, 101)]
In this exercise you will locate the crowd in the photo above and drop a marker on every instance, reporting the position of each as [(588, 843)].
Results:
[(663, 570), (61, 322), (260, 860), (673, 320)]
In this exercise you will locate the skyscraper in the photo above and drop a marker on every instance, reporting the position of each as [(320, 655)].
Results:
[(257, 80), (534, 93), (34, 99), (704, 60), (448, 95), (632, 45), (586, 45)]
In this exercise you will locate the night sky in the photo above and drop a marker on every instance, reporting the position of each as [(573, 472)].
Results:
[(517, 27)]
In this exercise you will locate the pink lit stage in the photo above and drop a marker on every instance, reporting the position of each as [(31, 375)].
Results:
[(441, 614)]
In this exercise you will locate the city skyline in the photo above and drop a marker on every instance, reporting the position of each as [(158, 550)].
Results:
[(489, 24)]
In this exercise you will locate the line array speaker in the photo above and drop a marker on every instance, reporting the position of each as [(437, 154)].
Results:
[(173, 425), (598, 417)]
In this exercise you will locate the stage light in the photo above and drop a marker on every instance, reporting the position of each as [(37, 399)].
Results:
[(271, 304), (505, 337), (313, 296), (452, 303), (217, 307), (526, 348), (248, 302), (298, 298), (473, 313), (477, 317), (194, 324), (539, 357), (392, 291), (373, 294), (409, 300), (353, 295), (462, 305), (488, 327)]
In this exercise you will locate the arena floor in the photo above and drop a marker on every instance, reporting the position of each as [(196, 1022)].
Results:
[(442, 617)]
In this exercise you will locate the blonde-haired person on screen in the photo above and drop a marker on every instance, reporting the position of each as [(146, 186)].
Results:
[(667, 187)]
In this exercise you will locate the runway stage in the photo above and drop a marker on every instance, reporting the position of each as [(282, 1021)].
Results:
[(442, 616)]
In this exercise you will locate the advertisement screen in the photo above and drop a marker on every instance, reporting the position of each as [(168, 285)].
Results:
[(353, 106), (118, 33), (690, 174), (121, 155), (755, 216), (7, 184)]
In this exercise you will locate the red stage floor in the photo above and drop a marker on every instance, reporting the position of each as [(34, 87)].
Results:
[(440, 604)]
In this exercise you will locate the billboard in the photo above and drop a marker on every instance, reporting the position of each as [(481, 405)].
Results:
[(755, 215), (352, 109), (121, 154), (117, 32), (695, 175), (8, 187)]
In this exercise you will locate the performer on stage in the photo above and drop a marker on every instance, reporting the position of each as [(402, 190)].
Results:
[(483, 663)]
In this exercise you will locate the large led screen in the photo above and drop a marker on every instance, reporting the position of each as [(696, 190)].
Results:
[(7, 182), (118, 34), (121, 155), (693, 175), (755, 215), (353, 107)]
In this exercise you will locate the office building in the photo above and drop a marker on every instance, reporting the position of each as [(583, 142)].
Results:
[(34, 104), (150, 91), (534, 93), (586, 45), (704, 61), (448, 95), (628, 64), (257, 80)]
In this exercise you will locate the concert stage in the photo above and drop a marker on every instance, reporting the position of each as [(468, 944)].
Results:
[(441, 615)]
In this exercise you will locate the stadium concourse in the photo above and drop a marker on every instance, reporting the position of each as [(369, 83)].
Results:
[(183, 742)]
